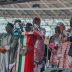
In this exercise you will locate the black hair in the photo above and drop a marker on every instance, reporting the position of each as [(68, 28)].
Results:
[(11, 25), (28, 26), (18, 20)]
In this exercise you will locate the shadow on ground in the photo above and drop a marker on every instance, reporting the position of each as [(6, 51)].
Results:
[(58, 70)]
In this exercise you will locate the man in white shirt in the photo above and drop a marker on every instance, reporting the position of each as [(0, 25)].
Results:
[(9, 46)]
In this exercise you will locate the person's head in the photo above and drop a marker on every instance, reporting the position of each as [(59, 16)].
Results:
[(9, 27), (36, 21), (28, 27), (71, 22), (18, 21), (57, 29), (62, 26)]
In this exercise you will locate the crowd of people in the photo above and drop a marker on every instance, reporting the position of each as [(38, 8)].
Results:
[(38, 51)]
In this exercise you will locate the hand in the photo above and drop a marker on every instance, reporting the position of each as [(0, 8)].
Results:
[(3, 50), (24, 50)]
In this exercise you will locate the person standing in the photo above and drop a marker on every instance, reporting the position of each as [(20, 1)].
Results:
[(9, 45), (39, 46), (53, 45), (30, 36), (63, 60), (70, 40)]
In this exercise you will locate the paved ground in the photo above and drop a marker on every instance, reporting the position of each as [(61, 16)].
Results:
[(58, 70)]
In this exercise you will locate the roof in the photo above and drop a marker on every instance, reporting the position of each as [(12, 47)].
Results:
[(47, 8)]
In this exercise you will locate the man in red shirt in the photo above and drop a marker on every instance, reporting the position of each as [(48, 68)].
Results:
[(30, 36)]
